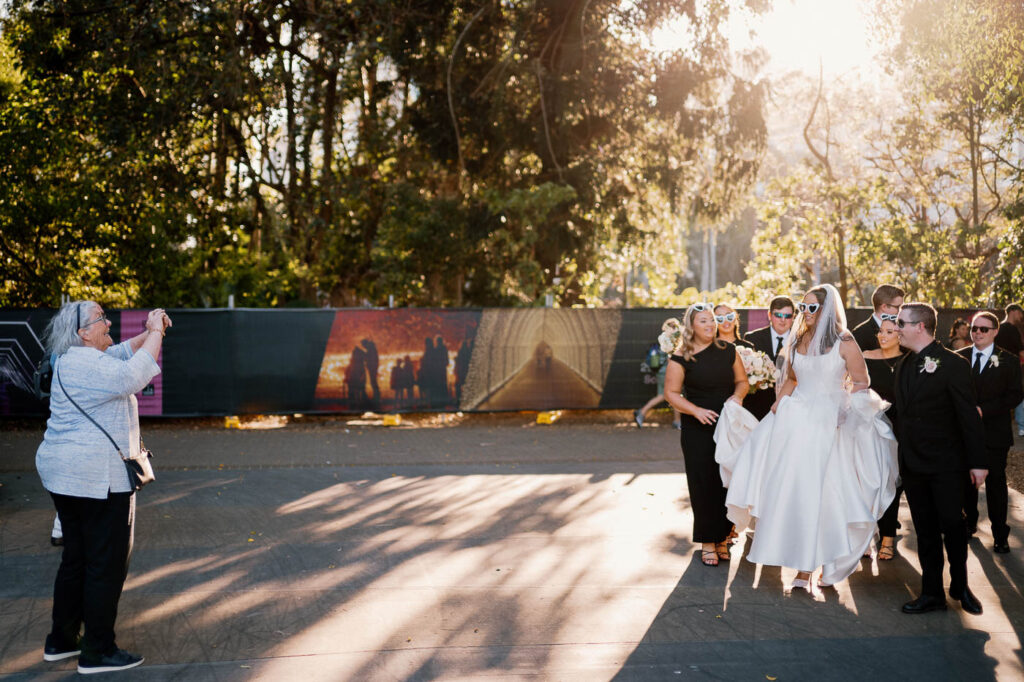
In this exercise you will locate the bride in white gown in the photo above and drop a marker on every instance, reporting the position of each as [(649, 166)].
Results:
[(820, 469)]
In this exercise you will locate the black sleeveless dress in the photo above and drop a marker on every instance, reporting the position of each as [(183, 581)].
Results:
[(882, 375), (708, 382)]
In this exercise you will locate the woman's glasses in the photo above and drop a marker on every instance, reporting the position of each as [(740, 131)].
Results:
[(809, 308), (984, 330), (888, 317), (101, 318), (701, 307), (722, 318)]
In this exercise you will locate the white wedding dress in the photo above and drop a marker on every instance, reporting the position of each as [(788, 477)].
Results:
[(817, 474)]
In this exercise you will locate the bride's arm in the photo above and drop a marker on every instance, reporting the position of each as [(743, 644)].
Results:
[(788, 386), (855, 365)]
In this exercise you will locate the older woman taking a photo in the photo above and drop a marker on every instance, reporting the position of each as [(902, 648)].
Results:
[(86, 477)]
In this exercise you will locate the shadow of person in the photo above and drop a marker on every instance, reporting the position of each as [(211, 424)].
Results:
[(734, 621), (1005, 575)]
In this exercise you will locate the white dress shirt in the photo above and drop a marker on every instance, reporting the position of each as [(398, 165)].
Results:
[(986, 353)]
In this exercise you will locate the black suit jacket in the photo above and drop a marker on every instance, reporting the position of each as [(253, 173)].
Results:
[(999, 391), (939, 429), (762, 341), (760, 403), (865, 334)]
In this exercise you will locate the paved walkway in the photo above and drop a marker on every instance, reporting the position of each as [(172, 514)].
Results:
[(502, 550)]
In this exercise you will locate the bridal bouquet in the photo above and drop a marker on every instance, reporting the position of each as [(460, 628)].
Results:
[(761, 371), (669, 337)]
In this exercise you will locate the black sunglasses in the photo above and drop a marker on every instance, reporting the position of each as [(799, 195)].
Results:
[(901, 323), (983, 330), (782, 316)]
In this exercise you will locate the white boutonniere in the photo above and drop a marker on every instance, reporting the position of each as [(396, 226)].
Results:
[(994, 360), (930, 365)]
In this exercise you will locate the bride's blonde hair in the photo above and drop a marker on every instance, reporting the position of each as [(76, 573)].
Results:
[(685, 346)]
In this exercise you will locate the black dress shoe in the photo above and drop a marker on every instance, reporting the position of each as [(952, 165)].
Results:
[(924, 604), (1002, 548), (969, 602)]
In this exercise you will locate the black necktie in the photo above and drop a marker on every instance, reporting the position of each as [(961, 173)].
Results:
[(977, 362), (778, 345)]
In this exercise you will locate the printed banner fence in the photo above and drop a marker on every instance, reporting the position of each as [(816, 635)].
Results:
[(270, 361)]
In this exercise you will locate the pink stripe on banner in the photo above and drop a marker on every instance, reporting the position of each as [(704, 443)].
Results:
[(756, 318), (151, 402)]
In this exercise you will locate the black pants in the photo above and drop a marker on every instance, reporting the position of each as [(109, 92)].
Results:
[(889, 522), (707, 494), (936, 506), (93, 568), (995, 493)]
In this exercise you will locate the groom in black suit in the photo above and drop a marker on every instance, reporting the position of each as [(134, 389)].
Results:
[(996, 375), (769, 340), (941, 441)]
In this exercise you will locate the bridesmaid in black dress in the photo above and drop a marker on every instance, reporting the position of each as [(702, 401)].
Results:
[(728, 321), (710, 372), (881, 368)]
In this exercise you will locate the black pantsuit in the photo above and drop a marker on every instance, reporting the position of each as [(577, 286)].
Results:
[(935, 501), (708, 381), (941, 438), (996, 495), (98, 538), (998, 387)]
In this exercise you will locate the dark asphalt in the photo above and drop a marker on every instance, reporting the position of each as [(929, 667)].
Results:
[(491, 548)]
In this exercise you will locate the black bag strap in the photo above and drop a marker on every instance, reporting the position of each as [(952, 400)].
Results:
[(95, 423)]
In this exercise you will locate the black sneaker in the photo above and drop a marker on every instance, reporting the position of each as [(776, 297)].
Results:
[(57, 652), (119, 660)]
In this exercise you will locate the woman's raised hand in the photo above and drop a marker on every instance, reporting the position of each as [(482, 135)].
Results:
[(157, 321)]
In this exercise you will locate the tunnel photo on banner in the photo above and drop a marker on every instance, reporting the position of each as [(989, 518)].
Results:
[(540, 359), (396, 360)]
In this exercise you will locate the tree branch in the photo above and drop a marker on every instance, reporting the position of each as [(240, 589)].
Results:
[(451, 98), (823, 159)]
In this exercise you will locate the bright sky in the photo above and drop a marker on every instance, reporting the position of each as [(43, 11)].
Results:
[(796, 33)]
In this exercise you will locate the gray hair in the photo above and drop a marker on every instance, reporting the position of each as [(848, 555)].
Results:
[(62, 331)]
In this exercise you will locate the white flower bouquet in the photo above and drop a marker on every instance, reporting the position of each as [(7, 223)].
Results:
[(670, 333), (761, 371)]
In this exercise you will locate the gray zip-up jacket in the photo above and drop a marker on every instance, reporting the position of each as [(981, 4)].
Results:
[(75, 458)]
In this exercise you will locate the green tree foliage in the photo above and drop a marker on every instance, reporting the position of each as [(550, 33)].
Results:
[(924, 191), (446, 153)]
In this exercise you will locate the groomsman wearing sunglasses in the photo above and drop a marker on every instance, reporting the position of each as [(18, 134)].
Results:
[(941, 441), (996, 375), (886, 302), (770, 340)]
